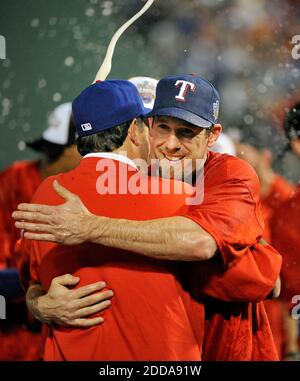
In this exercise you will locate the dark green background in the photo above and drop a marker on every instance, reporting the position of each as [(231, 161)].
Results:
[(38, 53)]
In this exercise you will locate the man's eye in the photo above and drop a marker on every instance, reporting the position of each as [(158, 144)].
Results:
[(187, 133), (163, 126)]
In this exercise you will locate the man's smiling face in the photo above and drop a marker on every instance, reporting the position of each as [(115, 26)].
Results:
[(176, 141)]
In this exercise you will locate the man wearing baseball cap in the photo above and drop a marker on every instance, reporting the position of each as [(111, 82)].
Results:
[(59, 134), (184, 126), (108, 117), (19, 337)]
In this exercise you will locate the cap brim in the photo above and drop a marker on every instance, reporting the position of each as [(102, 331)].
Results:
[(185, 115), (36, 145), (42, 145)]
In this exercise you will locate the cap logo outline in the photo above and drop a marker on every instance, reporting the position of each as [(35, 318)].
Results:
[(185, 86)]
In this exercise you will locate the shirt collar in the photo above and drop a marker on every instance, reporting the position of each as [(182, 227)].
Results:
[(113, 156)]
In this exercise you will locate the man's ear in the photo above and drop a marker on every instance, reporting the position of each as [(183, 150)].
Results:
[(133, 133), (214, 135)]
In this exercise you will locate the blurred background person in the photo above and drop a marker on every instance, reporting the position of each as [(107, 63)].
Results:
[(285, 237), (19, 335), (279, 206), (275, 190)]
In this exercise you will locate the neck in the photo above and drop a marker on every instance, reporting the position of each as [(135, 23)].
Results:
[(52, 169), (125, 150)]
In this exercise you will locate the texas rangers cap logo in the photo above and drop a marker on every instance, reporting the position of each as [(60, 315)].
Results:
[(185, 86)]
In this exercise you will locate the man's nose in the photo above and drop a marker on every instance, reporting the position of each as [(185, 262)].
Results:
[(172, 143)]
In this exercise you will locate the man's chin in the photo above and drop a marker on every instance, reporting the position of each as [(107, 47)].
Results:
[(172, 170)]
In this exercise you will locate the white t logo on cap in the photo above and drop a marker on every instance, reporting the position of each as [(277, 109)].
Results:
[(184, 88)]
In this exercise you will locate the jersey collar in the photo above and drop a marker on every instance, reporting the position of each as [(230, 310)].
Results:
[(113, 156)]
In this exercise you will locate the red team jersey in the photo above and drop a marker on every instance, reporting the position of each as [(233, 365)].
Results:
[(285, 236), (280, 191), (157, 312)]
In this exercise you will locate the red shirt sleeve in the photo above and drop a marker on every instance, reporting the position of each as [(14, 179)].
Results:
[(230, 211), (249, 278), (237, 332)]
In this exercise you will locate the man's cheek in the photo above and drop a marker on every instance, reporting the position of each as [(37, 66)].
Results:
[(151, 132), (152, 151)]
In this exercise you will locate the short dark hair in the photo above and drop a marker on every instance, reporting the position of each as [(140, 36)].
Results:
[(107, 140), (209, 130)]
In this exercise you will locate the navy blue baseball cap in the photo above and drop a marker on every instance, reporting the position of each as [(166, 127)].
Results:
[(187, 97), (106, 104)]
